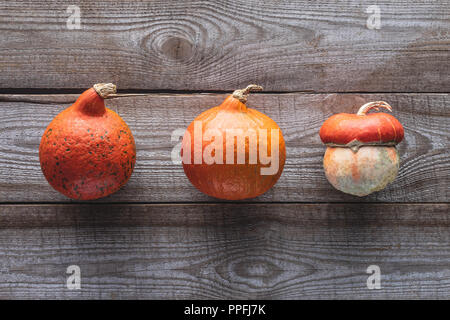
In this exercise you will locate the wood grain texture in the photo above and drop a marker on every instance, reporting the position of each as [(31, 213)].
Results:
[(299, 45), (423, 177), (219, 251)]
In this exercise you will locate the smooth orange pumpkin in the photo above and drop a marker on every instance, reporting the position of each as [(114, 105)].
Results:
[(233, 152), (88, 151), (361, 157)]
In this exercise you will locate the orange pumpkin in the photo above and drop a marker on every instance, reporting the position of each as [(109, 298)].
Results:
[(88, 151), (233, 152), (361, 157)]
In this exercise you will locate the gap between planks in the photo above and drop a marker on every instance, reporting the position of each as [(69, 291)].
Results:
[(49, 91)]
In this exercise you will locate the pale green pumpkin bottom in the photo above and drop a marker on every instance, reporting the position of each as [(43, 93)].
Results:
[(363, 172)]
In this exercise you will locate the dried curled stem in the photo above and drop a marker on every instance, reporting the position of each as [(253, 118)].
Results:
[(105, 89), (373, 105), (242, 94)]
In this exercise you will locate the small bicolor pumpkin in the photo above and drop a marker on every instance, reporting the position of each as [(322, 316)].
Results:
[(361, 155)]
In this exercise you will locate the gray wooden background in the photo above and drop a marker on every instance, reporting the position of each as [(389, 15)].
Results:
[(159, 237)]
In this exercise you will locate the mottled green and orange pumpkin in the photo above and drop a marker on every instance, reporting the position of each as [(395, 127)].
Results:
[(88, 152), (361, 157)]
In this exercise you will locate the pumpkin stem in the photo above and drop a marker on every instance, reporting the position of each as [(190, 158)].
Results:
[(121, 95), (105, 89), (373, 105), (242, 94)]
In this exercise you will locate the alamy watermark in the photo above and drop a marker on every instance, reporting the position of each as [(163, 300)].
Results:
[(74, 20), (74, 280), (239, 145), (374, 280), (374, 19)]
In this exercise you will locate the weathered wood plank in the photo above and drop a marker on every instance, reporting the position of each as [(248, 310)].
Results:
[(423, 176), (239, 251), (323, 46)]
